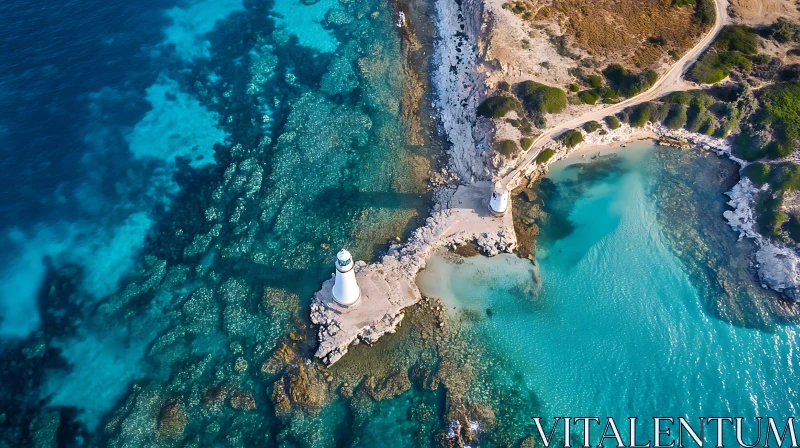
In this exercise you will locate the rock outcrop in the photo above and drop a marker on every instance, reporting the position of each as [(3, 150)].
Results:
[(778, 265), (388, 287)]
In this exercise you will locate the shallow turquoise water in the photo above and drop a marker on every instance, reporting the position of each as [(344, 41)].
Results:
[(618, 327)]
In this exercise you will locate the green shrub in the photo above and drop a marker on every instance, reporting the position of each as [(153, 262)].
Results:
[(780, 112), (591, 126), (768, 217), (608, 93), (572, 138), (783, 30), (498, 106), (695, 118), (713, 67), (626, 83), (746, 148), (544, 156), (738, 38), (503, 86), (526, 143), (640, 114), (708, 127), (778, 150), (507, 147), (705, 11), (771, 221), (758, 173), (612, 122), (594, 81), (726, 127), (588, 97), (659, 112), (574, 88), (678, 98), (761, 59), (676, 117), (541, 98)]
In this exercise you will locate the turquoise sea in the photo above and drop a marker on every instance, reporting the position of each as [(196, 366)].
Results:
[(177, 177), (623, 324)]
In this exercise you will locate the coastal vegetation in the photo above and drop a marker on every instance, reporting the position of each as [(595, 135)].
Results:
[(735, 47), (545, 155), (626, 83), (640, 114), (572, 137), (531, 101), (591, 126), (589, 97), (508, 148), (525, 143), (640, 43), (498, 106), (612, 122), (541, 98), (757, 172)]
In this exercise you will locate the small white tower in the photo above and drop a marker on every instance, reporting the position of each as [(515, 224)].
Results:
[(345, 289), (498, 204)]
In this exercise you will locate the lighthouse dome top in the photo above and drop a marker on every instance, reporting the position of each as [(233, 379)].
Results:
[(344, 261)]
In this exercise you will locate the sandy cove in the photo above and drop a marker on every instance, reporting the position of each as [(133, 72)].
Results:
[(778, 265)]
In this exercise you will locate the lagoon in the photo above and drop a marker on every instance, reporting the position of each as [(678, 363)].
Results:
[(623, 324)]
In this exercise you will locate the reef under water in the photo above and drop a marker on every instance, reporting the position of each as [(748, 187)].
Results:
[(179, 179)]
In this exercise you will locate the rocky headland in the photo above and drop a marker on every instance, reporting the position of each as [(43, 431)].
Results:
[(460, 213)]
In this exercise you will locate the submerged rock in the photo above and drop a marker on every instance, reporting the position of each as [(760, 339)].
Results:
[(242, 400), (172, 419), (389, 387), (44, 429)]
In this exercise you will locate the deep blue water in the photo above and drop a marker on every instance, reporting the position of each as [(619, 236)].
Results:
[(182, 168)]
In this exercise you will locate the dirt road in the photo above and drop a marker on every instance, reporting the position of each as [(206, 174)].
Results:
[(672, 81)]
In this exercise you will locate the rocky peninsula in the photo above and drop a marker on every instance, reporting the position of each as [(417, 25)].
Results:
[(461, 80)]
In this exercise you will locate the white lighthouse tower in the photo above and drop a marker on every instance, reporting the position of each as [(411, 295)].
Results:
[(498, 204), (345, 289)]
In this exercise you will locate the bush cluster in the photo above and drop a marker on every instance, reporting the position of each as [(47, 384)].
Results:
[(676, 117), (739, 38), (498, 106), (526, 143), (572, 138), (507, 148), (541, 98), (626, 83), (612, 122), (589, 97), (713, 67), (544, 156), (783, 30), (640, 114), (780, 112), (591, 126), (704, 11), (758, 173)]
